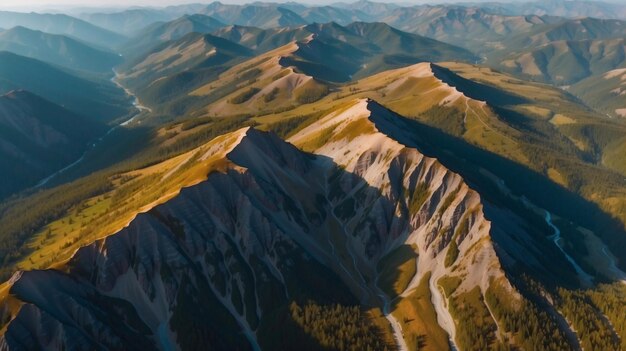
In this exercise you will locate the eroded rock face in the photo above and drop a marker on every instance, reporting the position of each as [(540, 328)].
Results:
[(216, 264)]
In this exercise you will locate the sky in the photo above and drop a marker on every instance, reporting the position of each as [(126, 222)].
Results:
[(87, 3), (26, 3), (60, 4), (37, 5), (127, 3)]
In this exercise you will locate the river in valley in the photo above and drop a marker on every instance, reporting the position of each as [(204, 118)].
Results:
[(139, 110)]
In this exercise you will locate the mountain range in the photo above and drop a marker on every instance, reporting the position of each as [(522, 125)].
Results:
[(329, 53), (94, 97), (353, 176), (57, 49), (63, 25)]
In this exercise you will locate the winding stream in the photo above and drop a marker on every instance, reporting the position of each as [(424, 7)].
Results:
[(444, 318), (398, 334), (556, 238), (136, 103)]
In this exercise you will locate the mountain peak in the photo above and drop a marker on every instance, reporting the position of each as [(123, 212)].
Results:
[(263, 152), (354, 120)]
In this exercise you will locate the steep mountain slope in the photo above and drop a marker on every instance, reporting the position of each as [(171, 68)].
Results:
[(57, 49), (253, 156), (98, 99), (260, 279), (63, 25), (259, 86), (605, 92), (176, 64), (512, 109), (508, 127), (262, 231), (173, 30), (466, 209), (566, 62), (545, 129), (38, 138)]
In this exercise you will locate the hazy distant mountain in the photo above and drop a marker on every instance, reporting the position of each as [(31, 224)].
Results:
[(563, 8), (97, 99), (325, 14), (176, 29), (265, 15), (470, 27), (61, 24), (181, 27), (256, 15), (57, 49), (127, 22), (371, 8), (38, 138), (185, 9)]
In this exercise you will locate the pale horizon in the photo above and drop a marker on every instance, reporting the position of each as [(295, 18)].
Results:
[(37, 4), (63, 5)]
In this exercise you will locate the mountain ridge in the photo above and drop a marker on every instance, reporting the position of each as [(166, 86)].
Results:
[(39, 137), (266, 174), (63, 25), (86, 96), (345, 185), (57, 49), (247, 153)]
